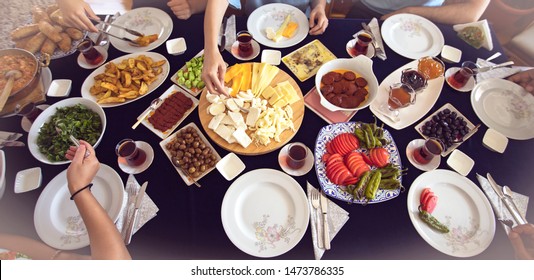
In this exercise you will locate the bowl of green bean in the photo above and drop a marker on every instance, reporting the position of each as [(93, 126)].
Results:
[(49, 137)]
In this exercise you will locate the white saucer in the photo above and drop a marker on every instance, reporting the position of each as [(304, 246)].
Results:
[(370, 49), (433, 164), (25, 122), (138, 169), (255, 50), (83, 63), (295, 172), (28, 180), (468, 87), (46, 77)]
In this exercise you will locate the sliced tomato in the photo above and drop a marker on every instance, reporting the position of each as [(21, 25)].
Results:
[(424, 195), (351, 181), (353, 140), (367, 159), (430, 204), (379, 156), (334, 158), (325, 157), (329, 148)]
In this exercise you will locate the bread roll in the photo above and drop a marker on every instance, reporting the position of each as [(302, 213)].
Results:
[(74, 33), (66, 43), (24, 31), (34, 44), (46, 28), (48, 47), (38, 14)]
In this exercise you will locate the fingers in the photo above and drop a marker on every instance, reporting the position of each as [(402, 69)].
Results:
[(318, 23), (79, 155), (519, 248)]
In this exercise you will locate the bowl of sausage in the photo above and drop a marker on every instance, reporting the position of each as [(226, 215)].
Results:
[(347, 84)]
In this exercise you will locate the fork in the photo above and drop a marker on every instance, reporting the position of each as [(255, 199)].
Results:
[(241, 108), (315, 203), (122, 38), (132, 190)]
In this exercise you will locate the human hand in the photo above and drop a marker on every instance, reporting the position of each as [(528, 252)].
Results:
[(522, 239), (318, 20), (77, 13), (405, 10), (524, 79), (180, 8), (82, 169), (213, 71)]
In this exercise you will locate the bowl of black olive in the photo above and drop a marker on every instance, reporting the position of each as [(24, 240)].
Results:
[(448, 125)]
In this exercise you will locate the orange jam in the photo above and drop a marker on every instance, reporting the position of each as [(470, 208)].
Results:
[(431, 67)]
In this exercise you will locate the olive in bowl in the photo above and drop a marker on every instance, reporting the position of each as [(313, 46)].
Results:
[(341, 84)]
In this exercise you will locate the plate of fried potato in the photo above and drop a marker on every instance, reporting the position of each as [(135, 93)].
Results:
[(126, 79)]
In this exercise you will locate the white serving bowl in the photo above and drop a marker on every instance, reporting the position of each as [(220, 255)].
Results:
[(362, 65), (46, 115), (176, 46)]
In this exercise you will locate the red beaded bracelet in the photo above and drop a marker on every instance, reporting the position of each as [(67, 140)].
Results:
[(78, 191)]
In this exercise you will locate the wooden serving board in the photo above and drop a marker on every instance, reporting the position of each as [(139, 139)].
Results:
[(255, 149)]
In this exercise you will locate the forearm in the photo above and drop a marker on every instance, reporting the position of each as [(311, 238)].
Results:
[(105, 240), (197, 6), (453, 12), (316, 3), (215, 10)]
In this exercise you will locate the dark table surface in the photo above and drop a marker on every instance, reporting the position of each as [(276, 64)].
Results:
[(188, 224)]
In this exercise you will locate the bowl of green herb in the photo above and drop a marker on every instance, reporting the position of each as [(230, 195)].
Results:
[(48, 139)]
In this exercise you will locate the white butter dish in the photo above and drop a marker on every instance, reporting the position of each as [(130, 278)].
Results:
[(59, 88), (176, 46), (272, 57), (28, 180), (495, 141), (230, 166), (460, 162), (451, 54)]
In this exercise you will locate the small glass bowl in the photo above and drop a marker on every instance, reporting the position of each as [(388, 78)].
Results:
[(431, 67)]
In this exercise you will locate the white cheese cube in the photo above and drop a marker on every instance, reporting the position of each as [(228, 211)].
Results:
[(252, 116), (242, 138), (215, 121)]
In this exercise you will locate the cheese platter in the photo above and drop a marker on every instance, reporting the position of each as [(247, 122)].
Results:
[(270, 94)]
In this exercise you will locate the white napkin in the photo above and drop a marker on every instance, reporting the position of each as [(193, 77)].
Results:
[(499, 73), (147, 211), (337, 217), (501, 212), (482, 25)]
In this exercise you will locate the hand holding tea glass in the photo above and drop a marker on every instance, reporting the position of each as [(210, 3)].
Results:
[(400, 96)]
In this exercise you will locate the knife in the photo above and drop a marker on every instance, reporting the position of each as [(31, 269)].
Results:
[(326, 231), (508, 193), (507, 201), (223, 35), (133, 220)]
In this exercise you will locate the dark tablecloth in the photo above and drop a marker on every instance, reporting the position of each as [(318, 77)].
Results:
[(188, 225)]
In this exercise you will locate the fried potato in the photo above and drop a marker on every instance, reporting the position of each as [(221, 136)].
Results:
[(111, 100), (144, 41), (46, 28), (24, 31)]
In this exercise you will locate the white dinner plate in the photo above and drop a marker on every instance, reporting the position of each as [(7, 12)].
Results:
[(412, 36), (272, 15), (265, 213), (462, 206), (145, 20), (424, 100), (89, 82), (56, 218), (506, 107), (329, 132)]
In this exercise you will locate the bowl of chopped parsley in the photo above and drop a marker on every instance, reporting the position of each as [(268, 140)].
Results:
[(80, 117)]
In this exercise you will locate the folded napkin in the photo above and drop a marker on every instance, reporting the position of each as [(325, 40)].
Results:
[(147, 211), (499, 73), (337, 217), (9, 136), (482, 27), (375, 29), (501, 212)]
